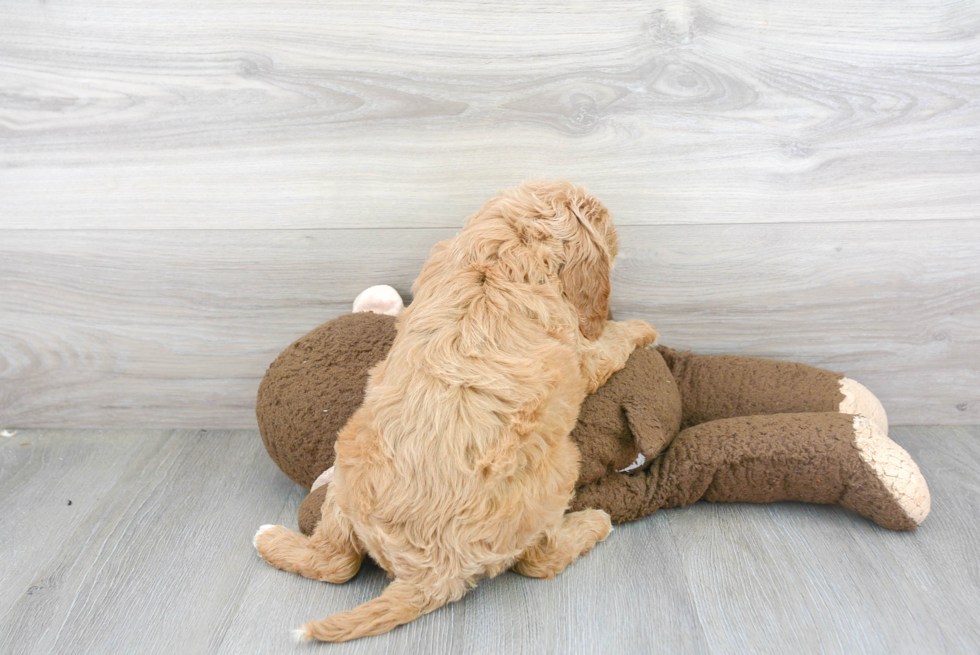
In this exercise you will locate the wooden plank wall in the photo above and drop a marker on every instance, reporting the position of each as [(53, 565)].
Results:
[(187, 187)]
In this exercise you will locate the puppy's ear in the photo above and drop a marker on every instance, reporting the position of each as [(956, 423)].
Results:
[(585, 282)]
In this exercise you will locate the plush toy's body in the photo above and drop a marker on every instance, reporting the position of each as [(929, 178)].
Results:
[(667, 430)]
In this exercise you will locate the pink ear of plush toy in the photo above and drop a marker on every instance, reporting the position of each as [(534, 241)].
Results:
[(380, 299)]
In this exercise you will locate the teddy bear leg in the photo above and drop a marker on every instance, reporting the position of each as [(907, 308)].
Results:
[(859, 401), (724, 386), (896, 471), (572, 537), (827, 458), (330, 554)]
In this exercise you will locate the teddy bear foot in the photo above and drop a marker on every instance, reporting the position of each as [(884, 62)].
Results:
[(858, 400), (906, 502)]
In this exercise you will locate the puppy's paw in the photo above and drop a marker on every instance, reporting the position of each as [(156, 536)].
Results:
[(267, 537), (598, 521), (642, 333), (262, 528)]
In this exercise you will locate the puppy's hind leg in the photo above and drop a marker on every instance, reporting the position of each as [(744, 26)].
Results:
[(559, 545), (331, 554)]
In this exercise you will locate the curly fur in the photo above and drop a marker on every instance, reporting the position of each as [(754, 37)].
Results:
[(458, 465)]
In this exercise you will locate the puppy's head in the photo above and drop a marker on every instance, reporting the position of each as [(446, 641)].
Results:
[(584, 238)]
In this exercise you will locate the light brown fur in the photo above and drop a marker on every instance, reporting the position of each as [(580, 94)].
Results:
[(458, 465)]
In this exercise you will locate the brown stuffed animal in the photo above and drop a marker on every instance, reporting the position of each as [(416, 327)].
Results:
[(669, 429)]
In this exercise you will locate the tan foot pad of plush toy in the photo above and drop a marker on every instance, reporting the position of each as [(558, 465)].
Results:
[(669, 429), (894, 468)]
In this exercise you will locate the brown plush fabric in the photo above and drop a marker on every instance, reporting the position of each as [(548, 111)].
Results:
[(327, 369), (638, 410), (309, 509), (753, 443), (756, 459), (314, 386), (725, 386)]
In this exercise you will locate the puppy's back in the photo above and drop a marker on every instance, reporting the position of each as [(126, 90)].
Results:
[(464, 423)]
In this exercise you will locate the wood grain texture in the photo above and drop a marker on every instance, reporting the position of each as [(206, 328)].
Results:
[(177, 114), (156, 557), (185, 188), (37, 483), (176, 328)]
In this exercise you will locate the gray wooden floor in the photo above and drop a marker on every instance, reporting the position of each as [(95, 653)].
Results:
[(153, 554)]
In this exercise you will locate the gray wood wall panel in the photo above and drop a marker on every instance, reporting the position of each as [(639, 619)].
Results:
[(177, 327), (177, 114), (185, 188)]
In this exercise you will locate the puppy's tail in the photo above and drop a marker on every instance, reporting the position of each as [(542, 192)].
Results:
[(401, 602)]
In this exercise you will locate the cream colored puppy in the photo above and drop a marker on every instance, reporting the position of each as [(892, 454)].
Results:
[(458, 465)]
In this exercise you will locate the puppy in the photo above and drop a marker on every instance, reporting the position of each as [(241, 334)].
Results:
[(458, 465)]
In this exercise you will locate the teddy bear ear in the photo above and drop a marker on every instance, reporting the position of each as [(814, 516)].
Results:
[(380, 299), (651, 438)]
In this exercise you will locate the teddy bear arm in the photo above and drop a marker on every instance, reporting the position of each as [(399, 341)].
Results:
[(725, 386), (651, 436), (310, 508), (625, 497)]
